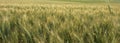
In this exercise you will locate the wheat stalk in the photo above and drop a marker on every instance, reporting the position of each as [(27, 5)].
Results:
[(109, 6)]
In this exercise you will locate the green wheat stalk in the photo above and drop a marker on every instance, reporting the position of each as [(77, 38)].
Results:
[(109, 6)]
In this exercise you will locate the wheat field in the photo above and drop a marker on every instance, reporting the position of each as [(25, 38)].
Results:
[(59, 23)]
